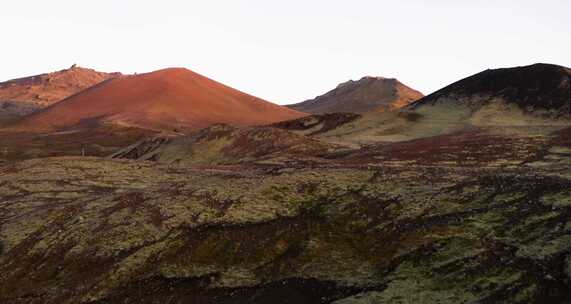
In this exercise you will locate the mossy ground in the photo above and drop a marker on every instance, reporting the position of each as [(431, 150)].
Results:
[(79, 230)]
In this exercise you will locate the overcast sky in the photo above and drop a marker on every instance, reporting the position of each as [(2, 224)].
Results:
[(286, 51)]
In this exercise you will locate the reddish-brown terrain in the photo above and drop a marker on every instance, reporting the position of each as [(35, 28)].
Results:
[(168, 99), (369, 94), (25, 95)]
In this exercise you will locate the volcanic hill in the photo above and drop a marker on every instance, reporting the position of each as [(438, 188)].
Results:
[(174, 98), (23, 96), (539, 93), (364, 95)]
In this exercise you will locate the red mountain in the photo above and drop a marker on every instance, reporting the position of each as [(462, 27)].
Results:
[(162, 100)]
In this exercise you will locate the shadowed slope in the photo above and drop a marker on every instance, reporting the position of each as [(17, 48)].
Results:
[(539, 85), (165, 99), (519, 95), (224, 144), (317, 124)]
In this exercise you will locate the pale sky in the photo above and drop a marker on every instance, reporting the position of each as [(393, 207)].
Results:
[(285, 51)]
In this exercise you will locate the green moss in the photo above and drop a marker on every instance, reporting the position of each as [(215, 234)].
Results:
[(561, 199)]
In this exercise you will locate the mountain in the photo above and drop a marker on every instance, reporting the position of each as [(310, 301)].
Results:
[(25, 95), (364, 95), (522, 95), (168, 99)]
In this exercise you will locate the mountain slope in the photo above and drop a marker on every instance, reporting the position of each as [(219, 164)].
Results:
[(166, 99), (365, 95), (25, 95), (223, 144), (528, 94)]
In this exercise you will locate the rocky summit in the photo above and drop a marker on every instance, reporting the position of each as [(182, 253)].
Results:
[(22, 96), (369, 94)]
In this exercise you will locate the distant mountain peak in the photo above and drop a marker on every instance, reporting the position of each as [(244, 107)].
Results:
[(25, 95), (370, 93), (363, 80)]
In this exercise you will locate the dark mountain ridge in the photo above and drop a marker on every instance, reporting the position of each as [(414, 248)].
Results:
[(538, 86)]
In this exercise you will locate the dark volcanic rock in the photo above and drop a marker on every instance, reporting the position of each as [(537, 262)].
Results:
[(538, 86), (224, 144), (319, 123)]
